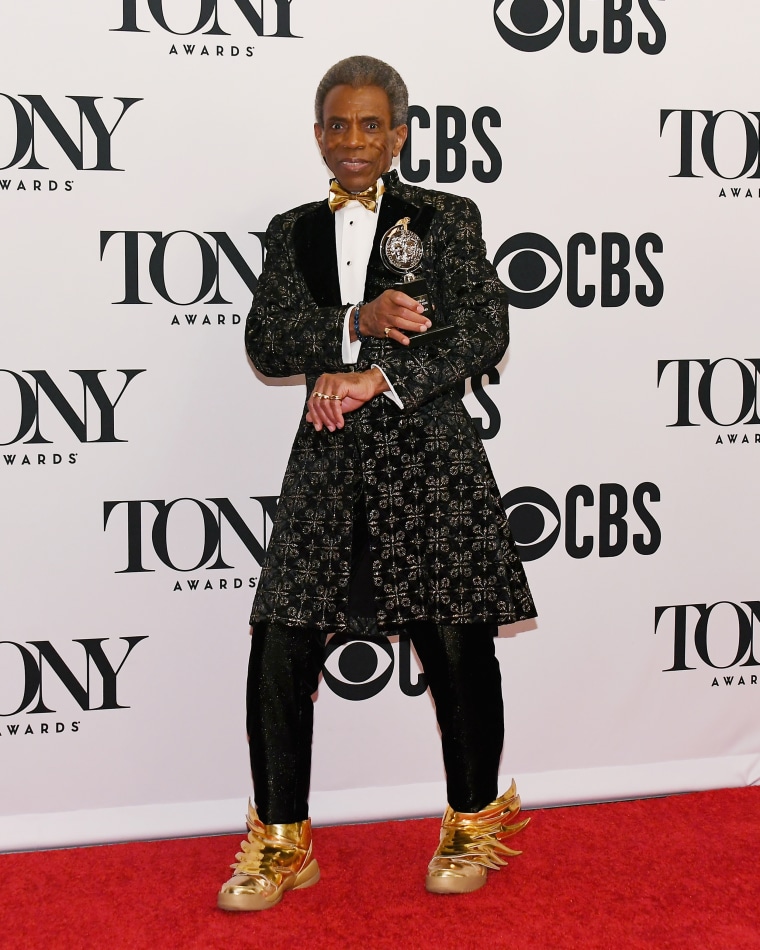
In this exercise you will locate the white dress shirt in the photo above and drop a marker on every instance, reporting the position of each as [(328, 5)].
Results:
[(355, 228)]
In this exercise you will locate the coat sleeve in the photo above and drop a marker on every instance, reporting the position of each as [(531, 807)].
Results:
[(286, 333), (469, 295)]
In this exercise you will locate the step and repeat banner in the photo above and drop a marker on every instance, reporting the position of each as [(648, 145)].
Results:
[(144, 147)]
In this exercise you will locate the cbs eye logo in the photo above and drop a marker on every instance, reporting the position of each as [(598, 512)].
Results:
[(529, 25), (533, 25), (360, 669), (535, 521), (607, 270), (532, 269)]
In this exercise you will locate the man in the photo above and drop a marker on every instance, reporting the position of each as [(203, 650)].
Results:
[(389, 517)]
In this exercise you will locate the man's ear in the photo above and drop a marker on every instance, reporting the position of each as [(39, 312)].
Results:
[(401, 133)]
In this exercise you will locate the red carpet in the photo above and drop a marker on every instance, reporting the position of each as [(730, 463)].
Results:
[(677, 872)]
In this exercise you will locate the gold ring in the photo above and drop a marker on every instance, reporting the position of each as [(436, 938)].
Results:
[(386, 331), (319, 395), (333, 397)]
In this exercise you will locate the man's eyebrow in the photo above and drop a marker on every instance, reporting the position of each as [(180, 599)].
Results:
[(362, 118)]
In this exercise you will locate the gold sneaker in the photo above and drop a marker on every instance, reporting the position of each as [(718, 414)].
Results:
[(473, 842), (273, 859)]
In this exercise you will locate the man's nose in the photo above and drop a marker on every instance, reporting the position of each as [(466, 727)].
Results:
[(355, 137)]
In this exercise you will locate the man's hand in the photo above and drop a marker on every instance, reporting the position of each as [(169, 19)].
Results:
[(395, 312), (335, 394)]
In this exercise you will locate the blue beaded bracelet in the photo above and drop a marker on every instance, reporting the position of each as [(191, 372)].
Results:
[(359, 335)]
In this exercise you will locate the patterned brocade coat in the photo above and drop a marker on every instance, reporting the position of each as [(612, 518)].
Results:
[(441, 546)]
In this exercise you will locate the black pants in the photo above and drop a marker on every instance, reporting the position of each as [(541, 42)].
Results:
[(463, 675)]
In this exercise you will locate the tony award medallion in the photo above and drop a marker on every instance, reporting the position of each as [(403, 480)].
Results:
[(401, 251)]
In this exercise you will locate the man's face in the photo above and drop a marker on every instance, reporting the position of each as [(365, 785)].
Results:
[(357, 140)]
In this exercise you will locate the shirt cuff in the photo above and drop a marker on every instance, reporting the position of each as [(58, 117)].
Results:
[(350, 348), (391, 393)]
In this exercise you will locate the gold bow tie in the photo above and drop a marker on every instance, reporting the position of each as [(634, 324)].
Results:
[(339, 197)]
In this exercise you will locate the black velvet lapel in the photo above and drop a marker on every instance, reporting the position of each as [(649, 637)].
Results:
[(314, 242)]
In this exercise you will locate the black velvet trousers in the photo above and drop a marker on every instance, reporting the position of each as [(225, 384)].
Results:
[(463, 676)]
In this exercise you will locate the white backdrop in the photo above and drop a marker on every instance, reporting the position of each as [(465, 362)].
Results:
[(144, 146)]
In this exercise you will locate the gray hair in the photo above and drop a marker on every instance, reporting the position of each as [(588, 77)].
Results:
[(359, 71)]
